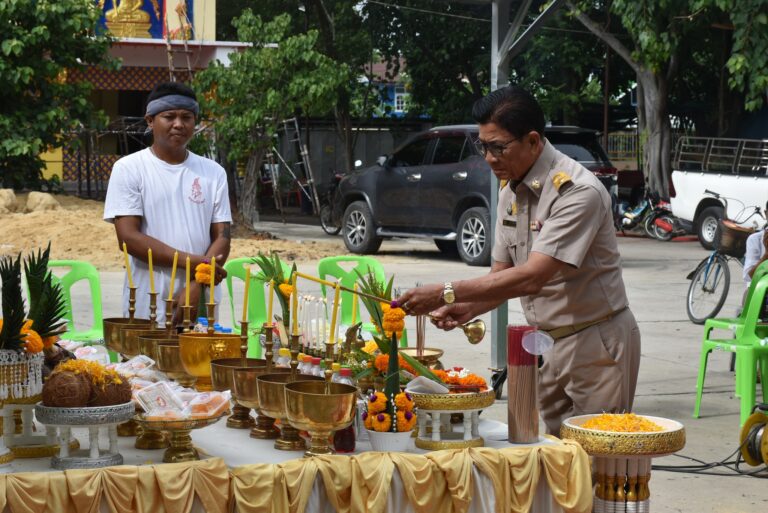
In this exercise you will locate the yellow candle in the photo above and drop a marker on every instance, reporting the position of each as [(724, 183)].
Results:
[(354, 305), (334, 313), (269, 304), (247, 288), (127, 266), (151, 272), (295, 307), (173, 275), (213, 276), (187, 285)]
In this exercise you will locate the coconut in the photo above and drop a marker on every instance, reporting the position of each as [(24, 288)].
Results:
[(110, 394), (67, 390)]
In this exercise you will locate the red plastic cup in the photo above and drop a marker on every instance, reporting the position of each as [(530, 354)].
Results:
[(516, 355)]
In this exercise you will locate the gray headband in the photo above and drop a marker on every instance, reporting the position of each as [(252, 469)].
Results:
[(172, 102)]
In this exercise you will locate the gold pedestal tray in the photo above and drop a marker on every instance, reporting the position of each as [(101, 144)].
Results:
[(434, 417), (430, 356), (113, 327), (169, 362), (271, 398), (320, 409), (198, 349), (181, 448), (223, 378)]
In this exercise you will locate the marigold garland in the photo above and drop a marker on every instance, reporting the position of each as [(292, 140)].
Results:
[(469, 380), (286, 289), (203, 273), (97, 373), (367, 420), (621, 422), (382, 361), (406, 420), (381, 422), (404, 402), (377, 402), (32, 341)]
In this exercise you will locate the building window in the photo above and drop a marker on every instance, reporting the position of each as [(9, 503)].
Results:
[(401, 99)]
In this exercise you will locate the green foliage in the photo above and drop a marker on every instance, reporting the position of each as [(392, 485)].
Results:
[(12, 304), (46, 299), (265, 83), (272, 269), (40, 41)]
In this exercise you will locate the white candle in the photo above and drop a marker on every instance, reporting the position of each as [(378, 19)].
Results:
[(324, 315)]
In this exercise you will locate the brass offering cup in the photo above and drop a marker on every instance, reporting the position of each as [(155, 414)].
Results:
[(149, 341), (169, 361), (320, 409), (223, 378), (430, 357), (246, 394), (271, 397), (113, 326), (198, 349), (474, 331)]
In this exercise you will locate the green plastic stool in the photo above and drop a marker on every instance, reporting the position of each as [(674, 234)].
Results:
[(257, 310), (750, 344), (330, 266), (79, 270)]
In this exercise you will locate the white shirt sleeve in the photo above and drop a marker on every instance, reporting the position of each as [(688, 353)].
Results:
[(221, 209), (123, 193), (753, 255)]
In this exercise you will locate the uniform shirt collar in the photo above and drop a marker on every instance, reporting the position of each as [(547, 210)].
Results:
[(540, 169)]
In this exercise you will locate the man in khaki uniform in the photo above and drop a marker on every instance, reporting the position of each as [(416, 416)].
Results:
[(555, 248)]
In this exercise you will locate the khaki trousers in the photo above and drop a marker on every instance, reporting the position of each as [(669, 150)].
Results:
[(592, 371)]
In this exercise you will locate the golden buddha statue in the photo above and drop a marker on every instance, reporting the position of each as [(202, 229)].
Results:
[(127, 18)]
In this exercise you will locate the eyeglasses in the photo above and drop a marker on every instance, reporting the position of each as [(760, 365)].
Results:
[(494, 148)]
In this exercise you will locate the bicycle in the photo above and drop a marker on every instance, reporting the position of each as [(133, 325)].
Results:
[(330, 217), (711, 280)]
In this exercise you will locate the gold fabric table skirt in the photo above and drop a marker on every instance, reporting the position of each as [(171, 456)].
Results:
[(440, 481)]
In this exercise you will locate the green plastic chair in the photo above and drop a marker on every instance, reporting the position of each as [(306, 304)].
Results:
[(330, 266), (750, 344), (79, 270)]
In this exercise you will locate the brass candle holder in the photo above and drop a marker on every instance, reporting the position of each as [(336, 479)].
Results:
[(269, 343), (211, 311), (329, 354), (187, 318), (169, 317), (294, 356), (153, 309), (131, 302)]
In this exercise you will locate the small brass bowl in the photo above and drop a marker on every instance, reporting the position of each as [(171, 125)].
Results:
[(430, 357), (149, 340), (198, 349), (223, 371), (271, 400), (113, 326), (320, 409), (169, 361)]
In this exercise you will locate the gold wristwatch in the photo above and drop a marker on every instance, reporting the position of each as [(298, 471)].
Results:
[(448, 295)]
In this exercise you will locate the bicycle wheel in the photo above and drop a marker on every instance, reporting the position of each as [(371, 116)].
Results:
[(708, 290), (326, 221)]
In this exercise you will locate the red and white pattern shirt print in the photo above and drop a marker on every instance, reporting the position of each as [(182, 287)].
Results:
[(196, 196)]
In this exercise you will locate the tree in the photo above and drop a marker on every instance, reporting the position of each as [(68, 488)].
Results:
[(39, 108), (262, 85)]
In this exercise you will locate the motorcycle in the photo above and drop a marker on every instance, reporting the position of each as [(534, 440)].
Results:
[(634, 217), (661, 224)]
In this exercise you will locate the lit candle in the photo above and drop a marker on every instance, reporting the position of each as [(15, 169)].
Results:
[(354, 305), (247, 288), (173, 275), (213, 276), (186, 303), (151, 272), (295, 307), (334, 313), (127, 266), (269, 304)]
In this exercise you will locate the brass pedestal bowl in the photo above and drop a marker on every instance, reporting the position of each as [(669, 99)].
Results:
[(320, 408), (223, 378), (246, 394), (271, 400), (181, 448), (129, 337), (429, 358), (147, 342), (169, 361), (112, 328), (198, 349)]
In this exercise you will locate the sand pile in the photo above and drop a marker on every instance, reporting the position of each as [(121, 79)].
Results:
[(77, 232)]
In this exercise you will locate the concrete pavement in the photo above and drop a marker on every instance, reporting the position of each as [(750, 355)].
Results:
[(654, 273)]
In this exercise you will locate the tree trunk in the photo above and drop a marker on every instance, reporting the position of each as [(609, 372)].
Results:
[(249, 198), (655, 130)]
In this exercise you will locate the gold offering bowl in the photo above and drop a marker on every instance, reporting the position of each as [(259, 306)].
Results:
[(198, 349), (430, 356), (271, 401), (320, 409), (169, 361), (223, 378), (616, 444), (130, 337), (148, 341), (113, 327), (181, 448), (245, 393)]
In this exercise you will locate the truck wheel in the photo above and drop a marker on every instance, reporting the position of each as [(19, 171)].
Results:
[(707, 226), (474, 236), (360, 230)]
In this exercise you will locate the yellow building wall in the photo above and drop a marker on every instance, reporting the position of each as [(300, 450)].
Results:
[(205, 20), (54, 164)]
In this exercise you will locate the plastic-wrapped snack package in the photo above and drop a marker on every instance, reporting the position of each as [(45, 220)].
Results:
[(165, 414), (159, 396), (132, 367), (209, 404)]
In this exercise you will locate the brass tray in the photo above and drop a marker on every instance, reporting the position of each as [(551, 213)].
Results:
[(180, 424), (611, 443), (454, 402)]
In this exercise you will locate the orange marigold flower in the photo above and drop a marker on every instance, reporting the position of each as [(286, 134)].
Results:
[(473, 380), (404, 401), (377, 402), (27, 325), (406, 420), (203, 273), (49, 341), (367, 420), (394, 314), (381, 422), (32, 341), (382, 364), (285, 289)]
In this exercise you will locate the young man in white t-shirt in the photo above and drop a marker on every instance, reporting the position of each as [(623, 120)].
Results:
[(168, 199)]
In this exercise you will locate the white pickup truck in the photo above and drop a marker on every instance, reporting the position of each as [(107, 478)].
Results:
[(735, 170)]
